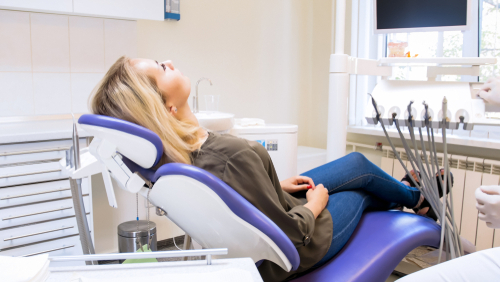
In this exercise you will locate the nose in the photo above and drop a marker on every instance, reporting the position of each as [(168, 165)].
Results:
[(169, 64)]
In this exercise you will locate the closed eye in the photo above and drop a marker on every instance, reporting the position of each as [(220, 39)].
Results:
[(163, 66)]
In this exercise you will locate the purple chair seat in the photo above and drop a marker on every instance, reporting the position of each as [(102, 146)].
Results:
[(381, 240)]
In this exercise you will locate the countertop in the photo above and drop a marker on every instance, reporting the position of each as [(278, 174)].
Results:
[(39, 130), (237, 269)]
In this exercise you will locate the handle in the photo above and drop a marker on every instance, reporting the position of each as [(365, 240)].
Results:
[(34, 194), (36, 213), (30, 162), (30, 173), (38, 233), (34, 151), (48, 251)]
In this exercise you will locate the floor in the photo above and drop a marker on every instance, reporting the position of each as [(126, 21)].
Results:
[(392, 278)]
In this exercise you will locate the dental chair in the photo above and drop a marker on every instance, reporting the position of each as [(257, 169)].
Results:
[(216, 216)]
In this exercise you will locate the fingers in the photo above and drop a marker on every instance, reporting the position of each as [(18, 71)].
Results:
[(481, 208), (481, 197), (301, 187), (485, 95), (490, 190), (414, 175), (486, 87), (304, 179), (482, 216)]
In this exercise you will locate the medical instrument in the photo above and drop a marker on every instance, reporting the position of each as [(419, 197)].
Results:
[(214, 215), (426, 184), (196, 103)]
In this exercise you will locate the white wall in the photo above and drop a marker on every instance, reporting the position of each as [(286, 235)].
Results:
[(50, 63), (267, 59)]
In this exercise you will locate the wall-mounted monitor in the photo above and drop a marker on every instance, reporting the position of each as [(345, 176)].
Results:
[(392, 16)]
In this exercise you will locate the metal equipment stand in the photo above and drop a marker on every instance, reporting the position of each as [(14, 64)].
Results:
[(73, 159)]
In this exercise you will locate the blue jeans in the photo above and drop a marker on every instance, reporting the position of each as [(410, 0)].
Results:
[(356, 184)]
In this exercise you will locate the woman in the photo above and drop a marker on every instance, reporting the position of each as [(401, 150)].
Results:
[(318, 210)]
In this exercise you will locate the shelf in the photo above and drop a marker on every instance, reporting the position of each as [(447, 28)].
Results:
[(403, 61)]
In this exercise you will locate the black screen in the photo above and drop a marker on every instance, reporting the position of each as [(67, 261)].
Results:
[(420, 13)]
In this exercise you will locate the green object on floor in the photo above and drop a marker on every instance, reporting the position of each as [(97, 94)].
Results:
[(141, 260)]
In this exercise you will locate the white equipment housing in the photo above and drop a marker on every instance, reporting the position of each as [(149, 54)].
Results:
[(393, 97)]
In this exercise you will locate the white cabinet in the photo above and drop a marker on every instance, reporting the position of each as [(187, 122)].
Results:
[(62, 6), (130, 9), (122, 9), (36, 205)]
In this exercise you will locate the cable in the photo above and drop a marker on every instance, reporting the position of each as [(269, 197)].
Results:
[(173, 239)]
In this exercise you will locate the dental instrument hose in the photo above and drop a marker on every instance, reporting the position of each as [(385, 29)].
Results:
[(427, 184)]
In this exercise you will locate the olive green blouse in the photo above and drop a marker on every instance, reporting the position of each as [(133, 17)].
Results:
[(247, 168)]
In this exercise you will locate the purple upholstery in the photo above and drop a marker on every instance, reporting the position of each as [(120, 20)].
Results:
[(381, 240), (127, 127)]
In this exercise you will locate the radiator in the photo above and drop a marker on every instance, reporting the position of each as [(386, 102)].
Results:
[(469, 174)]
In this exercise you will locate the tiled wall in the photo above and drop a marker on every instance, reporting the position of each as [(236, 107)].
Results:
[(50, 63)]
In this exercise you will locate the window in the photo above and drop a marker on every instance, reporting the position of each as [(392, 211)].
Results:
[(449, 44), (490, 36), (426, 44)]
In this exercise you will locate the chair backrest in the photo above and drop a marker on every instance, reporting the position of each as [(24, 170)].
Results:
[(128, 138), (210, 211)]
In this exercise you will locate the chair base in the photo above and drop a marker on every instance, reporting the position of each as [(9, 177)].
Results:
[(381, 240)]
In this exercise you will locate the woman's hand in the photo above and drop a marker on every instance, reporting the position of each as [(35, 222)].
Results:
[(297, 183), (317, 199), (490, 91)]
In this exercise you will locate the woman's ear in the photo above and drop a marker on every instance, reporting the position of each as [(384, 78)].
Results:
[(172, 110)]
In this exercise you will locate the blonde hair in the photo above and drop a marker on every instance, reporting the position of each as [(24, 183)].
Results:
[(129, 94)]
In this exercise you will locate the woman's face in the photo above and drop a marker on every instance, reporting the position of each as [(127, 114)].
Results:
[(174, 87)]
